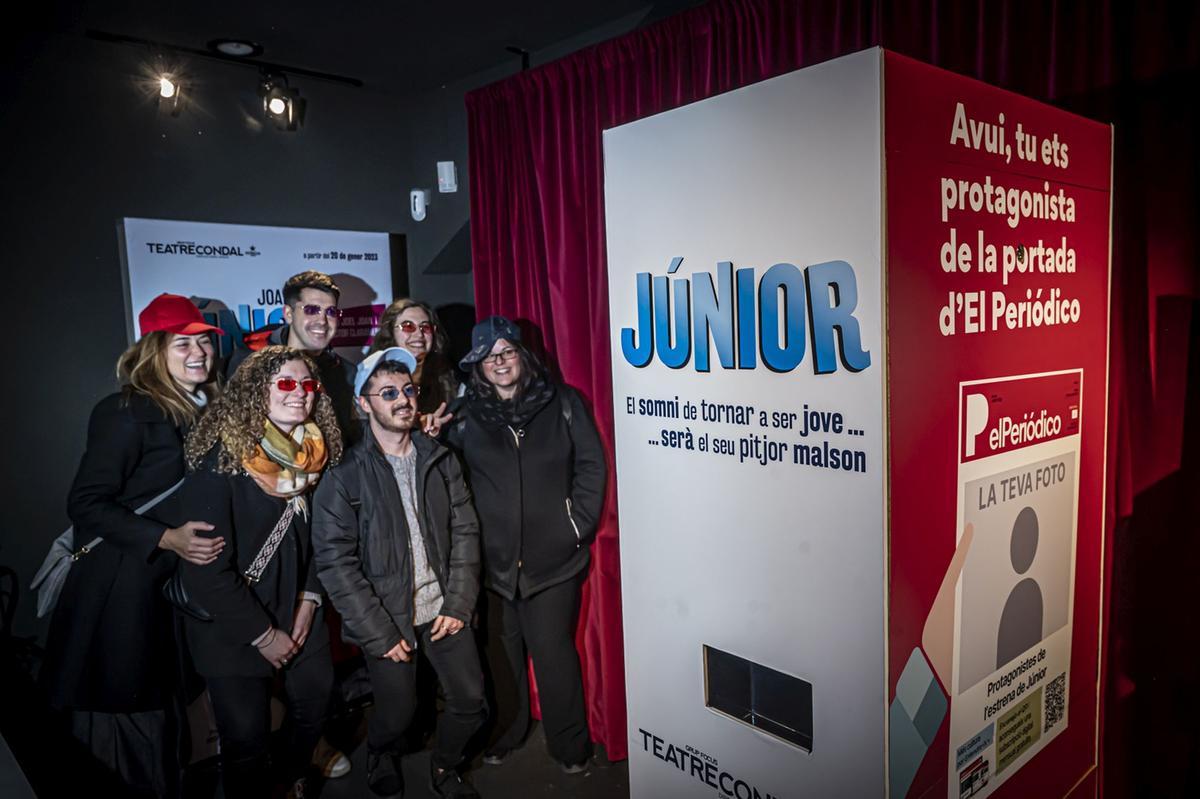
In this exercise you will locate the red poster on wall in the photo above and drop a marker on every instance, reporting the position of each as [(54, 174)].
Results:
[(997, 251)]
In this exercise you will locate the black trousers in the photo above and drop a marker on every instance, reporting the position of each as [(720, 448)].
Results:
[(242, 709), (544, 625), (456, 661)]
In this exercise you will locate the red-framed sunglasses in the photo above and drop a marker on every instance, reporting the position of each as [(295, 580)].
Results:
[(288, 384)]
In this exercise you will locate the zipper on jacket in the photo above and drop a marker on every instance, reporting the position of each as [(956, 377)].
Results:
[(423, 518), (571, 519), (517, 435)]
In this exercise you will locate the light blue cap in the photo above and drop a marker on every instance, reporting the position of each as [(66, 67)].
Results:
[(370, 363)]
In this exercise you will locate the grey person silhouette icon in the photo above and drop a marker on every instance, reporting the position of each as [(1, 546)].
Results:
[(1021, 621)]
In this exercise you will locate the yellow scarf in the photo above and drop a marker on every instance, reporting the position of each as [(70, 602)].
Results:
[(286, 465)]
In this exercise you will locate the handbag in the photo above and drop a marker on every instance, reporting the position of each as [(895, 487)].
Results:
[(175, 591), (52, 575)]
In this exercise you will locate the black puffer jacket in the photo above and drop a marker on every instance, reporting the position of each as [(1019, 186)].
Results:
[(361, 541), (539, 489)]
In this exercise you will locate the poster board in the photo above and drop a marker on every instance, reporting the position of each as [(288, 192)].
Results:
[(236, 272), (998, 220)]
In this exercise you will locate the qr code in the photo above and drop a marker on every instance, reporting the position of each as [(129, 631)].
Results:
[(1056, 700)]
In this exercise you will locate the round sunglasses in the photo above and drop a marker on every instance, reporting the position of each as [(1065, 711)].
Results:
[(391, 393)]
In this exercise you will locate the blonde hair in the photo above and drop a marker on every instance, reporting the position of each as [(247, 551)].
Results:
[(142, 369), (236, 420)]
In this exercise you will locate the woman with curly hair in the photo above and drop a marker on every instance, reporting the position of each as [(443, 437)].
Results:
[(255, 458), (414, 325), (110, 660)]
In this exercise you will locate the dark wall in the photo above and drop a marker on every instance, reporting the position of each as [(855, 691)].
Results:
[(83, 146)]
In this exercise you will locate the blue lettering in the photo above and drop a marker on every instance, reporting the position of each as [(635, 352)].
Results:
[(781, 291), (832, 297), (674, 355), (640, 355), (714, 312), (747, 352), (776, 319)]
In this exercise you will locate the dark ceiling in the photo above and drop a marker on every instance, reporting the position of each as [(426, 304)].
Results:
[(398, 47)]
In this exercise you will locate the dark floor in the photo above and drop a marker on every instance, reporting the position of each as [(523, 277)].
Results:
[(527, 772)]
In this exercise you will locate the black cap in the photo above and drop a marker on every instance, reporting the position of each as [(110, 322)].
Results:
[(484, 336)]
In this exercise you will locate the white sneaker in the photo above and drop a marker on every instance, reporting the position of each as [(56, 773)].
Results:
[(337, 766), (331, 762)]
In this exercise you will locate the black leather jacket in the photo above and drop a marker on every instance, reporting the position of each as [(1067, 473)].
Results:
[(361, 541)]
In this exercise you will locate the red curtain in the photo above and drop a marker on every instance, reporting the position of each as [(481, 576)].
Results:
[(537, 216)]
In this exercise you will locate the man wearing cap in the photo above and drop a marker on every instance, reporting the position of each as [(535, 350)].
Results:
[(396, 543), (310, 322)]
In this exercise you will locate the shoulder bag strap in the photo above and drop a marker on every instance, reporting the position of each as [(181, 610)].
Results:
[(263, 558), (90, 545)]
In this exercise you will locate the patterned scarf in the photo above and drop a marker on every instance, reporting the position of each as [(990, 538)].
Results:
[(287, 465), (493, 412)]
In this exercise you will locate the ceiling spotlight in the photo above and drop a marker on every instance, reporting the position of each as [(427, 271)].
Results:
[(281, 105), (238, 48), (169, 94)]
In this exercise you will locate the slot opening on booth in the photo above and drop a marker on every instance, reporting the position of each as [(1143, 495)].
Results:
[(760, 697)]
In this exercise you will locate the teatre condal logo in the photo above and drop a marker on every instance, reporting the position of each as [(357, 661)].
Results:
[(201, 250)]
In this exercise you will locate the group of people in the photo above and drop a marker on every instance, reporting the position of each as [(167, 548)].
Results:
[(239, 507)]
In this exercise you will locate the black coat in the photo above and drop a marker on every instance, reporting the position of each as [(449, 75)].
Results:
[(538, 490), (244, 516), (110, 647), (361, 541)]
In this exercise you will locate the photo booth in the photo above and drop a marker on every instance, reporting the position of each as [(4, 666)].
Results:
[(859, 324)]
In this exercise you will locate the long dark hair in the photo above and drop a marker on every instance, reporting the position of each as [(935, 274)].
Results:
[(532, 369)]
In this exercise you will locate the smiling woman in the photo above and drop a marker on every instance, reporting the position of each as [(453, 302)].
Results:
[(110, 656), (414, 325), (291, 395), (538, 475), (256, 456)]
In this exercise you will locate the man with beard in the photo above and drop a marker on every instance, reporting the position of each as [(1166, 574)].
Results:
[(396, 543), (310, 321)]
